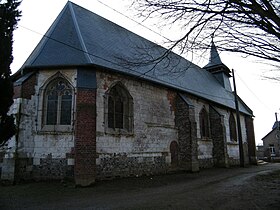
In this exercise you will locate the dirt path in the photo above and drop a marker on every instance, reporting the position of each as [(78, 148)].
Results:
[(256, 187)]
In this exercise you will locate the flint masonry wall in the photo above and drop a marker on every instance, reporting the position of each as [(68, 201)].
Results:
[(218, 135), (210, 150), (146, 149), (41, 154), (157, 123), (187, 138), (53, 150)]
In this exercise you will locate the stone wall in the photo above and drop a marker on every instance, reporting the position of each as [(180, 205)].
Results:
[(218, 134), (269, 141), (233, 147), (146, 149), (87, 150), (39, 154), (125, 165), (187, 130)]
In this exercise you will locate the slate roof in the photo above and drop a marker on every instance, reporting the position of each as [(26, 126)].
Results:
[(276, 125), (215, 63), (79, 37), (215, 59)]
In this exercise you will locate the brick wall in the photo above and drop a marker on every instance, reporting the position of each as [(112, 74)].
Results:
[(26, 89), (249, 122), (17, 91), (85, 137)]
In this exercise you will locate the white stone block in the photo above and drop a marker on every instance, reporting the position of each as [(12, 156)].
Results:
[(168, 159), (36, 161), (98, 161), (70, 161)]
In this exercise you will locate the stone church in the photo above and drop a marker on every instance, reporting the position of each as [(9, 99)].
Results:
[(95, 101)]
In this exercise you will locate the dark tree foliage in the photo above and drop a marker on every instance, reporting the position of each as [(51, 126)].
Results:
[(250, 27), (9, 16)]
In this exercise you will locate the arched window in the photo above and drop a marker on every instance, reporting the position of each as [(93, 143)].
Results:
[(204, 123), (232, 128), (58, 98), (119, 109)]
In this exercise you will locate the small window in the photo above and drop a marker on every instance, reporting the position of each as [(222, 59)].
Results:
[(272, 149), (204, 123), (119, 107), (232, 128), (58, 103)]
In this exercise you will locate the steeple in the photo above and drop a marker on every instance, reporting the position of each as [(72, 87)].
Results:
[(214, 59), (215, 64), (217, 68)]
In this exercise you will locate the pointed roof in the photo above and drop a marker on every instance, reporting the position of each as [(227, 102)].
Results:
[(276, 125), (79, 37), (215, 63), (214, 59), (62, 44), (275, 128)]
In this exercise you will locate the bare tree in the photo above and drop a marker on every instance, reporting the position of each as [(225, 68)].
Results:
[(9, 16), (250, 27)]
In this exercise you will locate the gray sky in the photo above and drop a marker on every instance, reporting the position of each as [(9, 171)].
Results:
[(261, 95)]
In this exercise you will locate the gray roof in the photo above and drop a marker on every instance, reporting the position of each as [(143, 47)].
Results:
[(276, 125), (79, 37), (215, 63)]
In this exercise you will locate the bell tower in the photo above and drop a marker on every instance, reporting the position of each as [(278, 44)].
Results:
[(217, 68)]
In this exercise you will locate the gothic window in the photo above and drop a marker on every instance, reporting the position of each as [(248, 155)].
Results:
[(232, 128), (119, 109), (58, 103), (204, 123)]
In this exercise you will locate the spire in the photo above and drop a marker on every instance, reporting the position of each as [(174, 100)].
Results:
[(217, 68), (214, 59), (214, 55), (215, 64)]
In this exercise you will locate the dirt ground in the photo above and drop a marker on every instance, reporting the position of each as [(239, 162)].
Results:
[(254, 187)]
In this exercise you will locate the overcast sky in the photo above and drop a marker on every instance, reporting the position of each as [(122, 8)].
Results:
[(260, 94)]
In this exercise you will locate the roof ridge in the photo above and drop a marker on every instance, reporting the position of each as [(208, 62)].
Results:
[(80, 37), (73, 15)]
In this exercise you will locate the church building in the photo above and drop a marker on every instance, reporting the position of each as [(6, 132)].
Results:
[(95, 101)]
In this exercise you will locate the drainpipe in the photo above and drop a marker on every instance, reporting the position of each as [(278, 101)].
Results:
[(277, 120)]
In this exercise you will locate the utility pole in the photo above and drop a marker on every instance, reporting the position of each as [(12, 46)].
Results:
[(277, 123), (240, 143)]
